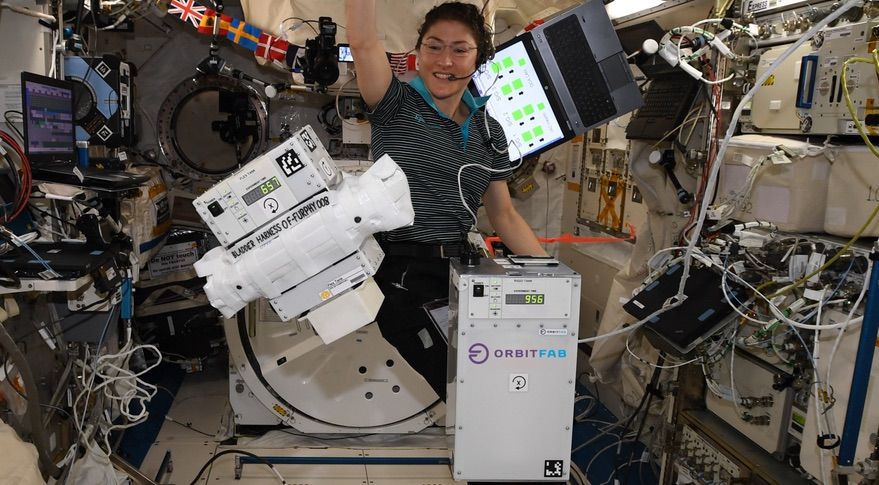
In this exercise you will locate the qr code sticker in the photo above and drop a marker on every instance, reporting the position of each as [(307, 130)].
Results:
[(290, 162), (309, 142), (553, 468)]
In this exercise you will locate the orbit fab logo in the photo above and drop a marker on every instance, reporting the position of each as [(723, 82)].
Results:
[(478, 353)]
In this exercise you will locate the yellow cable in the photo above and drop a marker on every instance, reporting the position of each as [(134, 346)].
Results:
[(848, 99), (830, 261), (859, 126)]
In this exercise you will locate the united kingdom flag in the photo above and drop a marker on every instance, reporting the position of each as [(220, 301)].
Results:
[(187, 10)]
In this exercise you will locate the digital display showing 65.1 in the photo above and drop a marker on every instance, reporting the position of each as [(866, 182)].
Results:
[(263, 190), (525, 299)]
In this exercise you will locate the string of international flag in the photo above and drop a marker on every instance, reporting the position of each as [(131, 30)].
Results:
[(252, 38)]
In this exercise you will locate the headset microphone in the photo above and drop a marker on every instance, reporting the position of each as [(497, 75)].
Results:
[(453, 77)]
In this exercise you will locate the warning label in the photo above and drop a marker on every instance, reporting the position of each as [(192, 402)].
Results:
[(174, 257)]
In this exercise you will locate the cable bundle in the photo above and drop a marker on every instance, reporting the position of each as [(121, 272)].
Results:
[(24, 171)]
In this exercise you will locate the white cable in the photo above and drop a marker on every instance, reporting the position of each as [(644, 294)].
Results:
[(644, 361), (578, 474), (121, 387), (821, 451), (777, 312), (28, 12), (487, 169), (56, 38), (733, 124), (339, 94), (848, 321)]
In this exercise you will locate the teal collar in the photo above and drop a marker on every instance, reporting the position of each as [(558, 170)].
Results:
[(472, 102)]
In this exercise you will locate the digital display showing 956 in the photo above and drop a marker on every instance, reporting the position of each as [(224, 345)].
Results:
[(263, 190), (525, 299)]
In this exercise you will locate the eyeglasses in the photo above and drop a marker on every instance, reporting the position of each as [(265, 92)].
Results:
[(459, 49)]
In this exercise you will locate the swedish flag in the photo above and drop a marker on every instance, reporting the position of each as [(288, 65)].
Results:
[(243, 34)]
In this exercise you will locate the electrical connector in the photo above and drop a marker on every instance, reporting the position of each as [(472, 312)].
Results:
[(717, 43), (692, 71), (670, 53)]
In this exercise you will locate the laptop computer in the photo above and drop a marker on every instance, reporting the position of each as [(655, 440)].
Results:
[(47, 109), (69, 259), (705, 311), (50, 138), (558, 80), (668, 99)]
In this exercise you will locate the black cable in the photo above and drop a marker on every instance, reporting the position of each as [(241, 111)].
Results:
[(227, 452), (71, 327), (33, 414), (53, 216), (649, 391), (710, 101), (309, 22), (189, 425), (11, 124)]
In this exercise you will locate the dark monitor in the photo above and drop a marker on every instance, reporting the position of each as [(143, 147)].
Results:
[(633, 36), (558, 80), (47, 109)]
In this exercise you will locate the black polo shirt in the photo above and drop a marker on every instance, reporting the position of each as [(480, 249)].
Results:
[(431, 148)]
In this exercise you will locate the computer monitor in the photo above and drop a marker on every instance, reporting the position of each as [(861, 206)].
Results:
[(558, 80), (528, 113), (47, 109)]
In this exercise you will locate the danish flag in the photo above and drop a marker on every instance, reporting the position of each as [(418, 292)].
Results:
[(270, 47), (187, 10)]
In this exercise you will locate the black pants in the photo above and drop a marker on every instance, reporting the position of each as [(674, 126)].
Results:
[(409, 283)]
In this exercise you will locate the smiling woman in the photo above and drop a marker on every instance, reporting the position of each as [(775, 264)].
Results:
[(434, 129)]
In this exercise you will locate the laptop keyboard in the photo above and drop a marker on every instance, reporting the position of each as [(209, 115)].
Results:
[(580, 71), (664, 99), (665, 104)]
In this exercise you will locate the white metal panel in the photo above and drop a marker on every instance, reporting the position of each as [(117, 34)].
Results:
[(513, 378)]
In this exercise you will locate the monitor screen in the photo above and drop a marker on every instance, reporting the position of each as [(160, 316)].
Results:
[(47, 105), (345, 53), (518, 101)]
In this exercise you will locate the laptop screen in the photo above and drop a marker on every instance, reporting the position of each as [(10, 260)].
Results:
[(47, 107), (518, 101)]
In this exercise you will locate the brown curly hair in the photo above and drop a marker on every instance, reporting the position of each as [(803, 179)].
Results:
[(467, 14)]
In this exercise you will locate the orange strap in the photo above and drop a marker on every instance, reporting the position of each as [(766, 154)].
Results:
[(570, 238)]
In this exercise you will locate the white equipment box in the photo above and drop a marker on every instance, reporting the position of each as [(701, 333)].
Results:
[(512, 369), (295, 231)]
